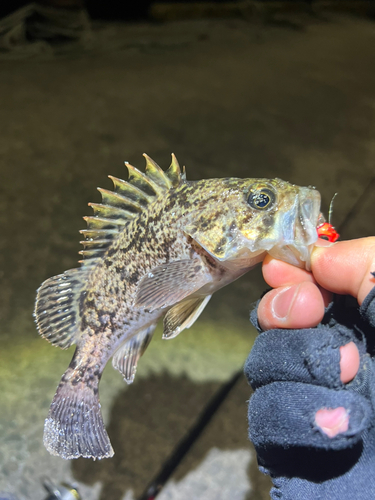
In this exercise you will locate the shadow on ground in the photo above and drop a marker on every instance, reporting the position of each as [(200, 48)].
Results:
[(146, 424)]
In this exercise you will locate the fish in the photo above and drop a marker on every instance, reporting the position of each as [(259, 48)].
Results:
[(157, 246)]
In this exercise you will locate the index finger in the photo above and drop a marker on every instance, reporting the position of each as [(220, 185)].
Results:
[(346, 267)]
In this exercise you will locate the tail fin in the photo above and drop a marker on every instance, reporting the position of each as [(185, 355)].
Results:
[(74, 427)]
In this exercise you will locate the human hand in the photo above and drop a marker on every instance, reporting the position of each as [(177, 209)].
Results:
[(311, 412), (299, 297)]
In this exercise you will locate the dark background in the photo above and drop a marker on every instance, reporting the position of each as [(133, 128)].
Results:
[(288, 94)]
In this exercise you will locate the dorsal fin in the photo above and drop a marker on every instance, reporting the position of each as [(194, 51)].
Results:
[(128, 200), (57, 307)]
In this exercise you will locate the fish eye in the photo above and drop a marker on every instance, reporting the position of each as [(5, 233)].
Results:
[(261, 199)]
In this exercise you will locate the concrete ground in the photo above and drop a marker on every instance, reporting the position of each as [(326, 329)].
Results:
[(230, 98)]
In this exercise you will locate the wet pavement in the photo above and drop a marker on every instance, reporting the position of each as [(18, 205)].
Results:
[(229, 98)]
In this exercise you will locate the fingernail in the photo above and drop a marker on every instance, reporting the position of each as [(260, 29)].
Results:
[(283, 301), (349, 362)]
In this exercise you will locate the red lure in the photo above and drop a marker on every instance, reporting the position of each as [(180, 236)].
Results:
[(327, 232)]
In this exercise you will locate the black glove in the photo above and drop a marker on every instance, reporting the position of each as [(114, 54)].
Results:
[(295, 373)]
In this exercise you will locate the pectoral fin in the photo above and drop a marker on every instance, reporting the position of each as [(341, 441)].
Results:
[(183, 315), (126, 357), (168, 284)]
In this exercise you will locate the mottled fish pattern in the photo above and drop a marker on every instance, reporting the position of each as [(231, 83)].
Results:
[(158, 245)]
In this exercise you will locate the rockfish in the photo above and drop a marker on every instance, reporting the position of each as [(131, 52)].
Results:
[(158, 245)]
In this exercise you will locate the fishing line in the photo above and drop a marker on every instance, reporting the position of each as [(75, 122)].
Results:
[(331, 208)]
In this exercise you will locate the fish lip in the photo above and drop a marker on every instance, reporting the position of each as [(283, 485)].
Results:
[(299, 233), (309, 215)]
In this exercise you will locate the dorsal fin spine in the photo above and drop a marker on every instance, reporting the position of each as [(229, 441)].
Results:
[(92, 252), (174, 172), (99, 233), (114, 199), (94, 222), (111, 212), (155, 173), (95, 243), (130, 191), (141, 180)]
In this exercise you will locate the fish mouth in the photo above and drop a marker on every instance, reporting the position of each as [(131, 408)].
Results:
[(298, 229)]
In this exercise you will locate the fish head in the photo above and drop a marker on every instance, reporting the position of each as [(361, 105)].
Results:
[(283, 221), (259, 216)]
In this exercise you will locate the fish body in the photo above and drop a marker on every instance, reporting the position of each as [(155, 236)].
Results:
[(158, 245)]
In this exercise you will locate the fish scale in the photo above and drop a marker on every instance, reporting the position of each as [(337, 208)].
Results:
[(157, 246)]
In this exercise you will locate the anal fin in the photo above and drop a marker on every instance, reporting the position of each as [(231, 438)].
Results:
[(126, 358), (183, 315)]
